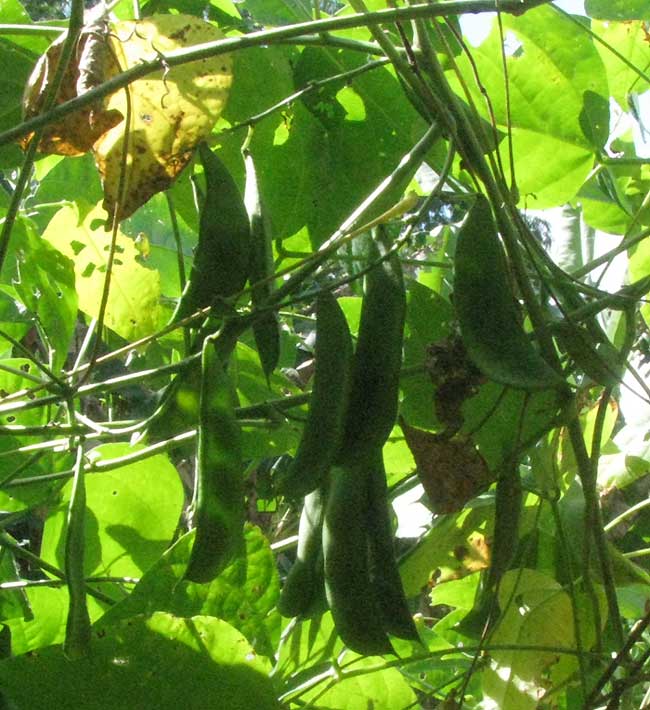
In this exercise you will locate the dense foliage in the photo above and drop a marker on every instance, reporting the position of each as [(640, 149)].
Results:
[(323, 355)]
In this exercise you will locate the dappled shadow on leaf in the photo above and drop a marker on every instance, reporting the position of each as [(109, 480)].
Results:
[(160, 661), (594, 118), (141, 550)]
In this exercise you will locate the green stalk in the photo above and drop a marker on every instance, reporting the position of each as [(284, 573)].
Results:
[(265, 37)]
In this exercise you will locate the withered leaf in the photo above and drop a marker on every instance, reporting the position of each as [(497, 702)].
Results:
[(92, 64), (451, 471)]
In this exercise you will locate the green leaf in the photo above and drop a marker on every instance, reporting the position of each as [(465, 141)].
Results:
[(133, 310), (49, 606), (244, 594), (44, 281), (315, 175), (12, 84), (72, 179), (495, 412), (132, 514), (12, 381), (279, 11), (146, 662), (437, 549), (310, 644), (252, 388), (385, 689), (559, 95), (629, 40), (617, 9), (309, 649)]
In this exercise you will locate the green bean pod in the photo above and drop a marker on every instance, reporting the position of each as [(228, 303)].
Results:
[(384, 571), (219, 496), (348, 587), (599, 360), (266, 327), (374, 394), (222, 256), (77, 631), (304, 582), (486, 309), (323, 430)]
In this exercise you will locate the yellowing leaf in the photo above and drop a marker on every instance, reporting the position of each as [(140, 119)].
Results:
[(536, 612), (170, 112), (133, 309)]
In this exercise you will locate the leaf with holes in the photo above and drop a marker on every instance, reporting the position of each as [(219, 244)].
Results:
[(18, 374), (133, 310), (168, 112)]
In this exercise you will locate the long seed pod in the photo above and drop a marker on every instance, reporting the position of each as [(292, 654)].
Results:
[(348, 587), (378, 357), (384, 572), (222, 257), (77, 631), (323, 430), (219, 499), (304, 583), (485, 305), (266, 327)]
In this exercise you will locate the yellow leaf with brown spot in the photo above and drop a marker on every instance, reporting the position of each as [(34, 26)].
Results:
[(170, 111), (133, 310)]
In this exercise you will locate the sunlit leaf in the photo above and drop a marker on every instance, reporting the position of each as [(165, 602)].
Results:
[(243, 594), (133, 309), (132, 513), (559, 102), (169, 112)]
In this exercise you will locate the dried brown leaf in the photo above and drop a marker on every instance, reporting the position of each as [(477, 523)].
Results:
[(92, 64), (451, 471)]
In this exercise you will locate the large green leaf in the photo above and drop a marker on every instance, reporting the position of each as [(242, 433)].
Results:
[(159, 661), (244, 594), (46, 625), (559, 102), (132, 513), (495, 413), (385, 689), (314, 173), (618, 9), (629, 40)]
